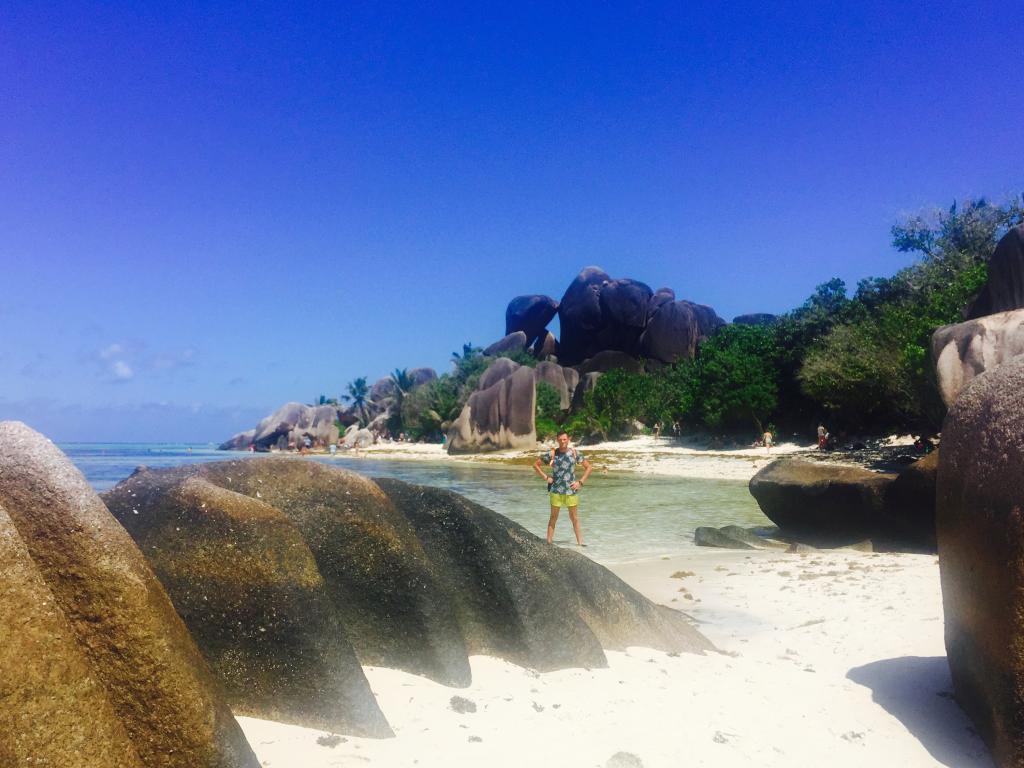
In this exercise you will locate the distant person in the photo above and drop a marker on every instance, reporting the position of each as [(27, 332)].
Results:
[(822, 437), (766, 439), (333, 449), (563, 487)]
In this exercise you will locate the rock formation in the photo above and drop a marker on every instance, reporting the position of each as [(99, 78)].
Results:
[(500, 414), (307, 567), (531, 315), (831, 505), (1004, 289), (290, 423), (964, 350), (96, 668), (980, 531), (599, 314), (513, 342)]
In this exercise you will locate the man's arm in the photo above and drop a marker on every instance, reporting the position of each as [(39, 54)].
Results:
[(541, 472), (586, 473)]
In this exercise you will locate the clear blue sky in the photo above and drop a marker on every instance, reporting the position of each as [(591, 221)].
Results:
[(208, 210)]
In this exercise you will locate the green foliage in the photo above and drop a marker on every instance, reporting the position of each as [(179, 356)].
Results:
[(549, 412), (870, 368), (357, 391), (738, 376)]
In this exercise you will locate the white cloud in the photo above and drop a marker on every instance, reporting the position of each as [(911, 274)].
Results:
[(121, 371)]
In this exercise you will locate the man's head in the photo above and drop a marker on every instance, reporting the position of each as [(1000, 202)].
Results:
[(563, 440)]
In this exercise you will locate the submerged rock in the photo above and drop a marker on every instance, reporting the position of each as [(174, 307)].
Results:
[(980, 530), (96, 667)]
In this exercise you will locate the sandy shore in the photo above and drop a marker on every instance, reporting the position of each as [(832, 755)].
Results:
[(833, 658), (645, 455)]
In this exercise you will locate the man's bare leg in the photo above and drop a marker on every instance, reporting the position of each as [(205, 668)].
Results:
[(575, 519), (551, 524)]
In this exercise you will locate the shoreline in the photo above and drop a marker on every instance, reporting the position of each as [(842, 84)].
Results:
[(664, 456), (835, 657)]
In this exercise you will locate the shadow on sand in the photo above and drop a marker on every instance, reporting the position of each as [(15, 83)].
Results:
[(918, 691)]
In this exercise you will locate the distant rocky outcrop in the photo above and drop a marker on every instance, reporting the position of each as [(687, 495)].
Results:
[(531, 315), (500, 414), (831, 505), (980, 530), (756, 318), (96, 668), (598, 314), (291, 423), (307, 568), (964, 350), (1004, 289)]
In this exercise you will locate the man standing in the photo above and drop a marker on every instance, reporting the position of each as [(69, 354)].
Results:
[(563, 487)]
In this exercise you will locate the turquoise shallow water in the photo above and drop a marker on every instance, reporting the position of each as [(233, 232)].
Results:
[(625, 516)]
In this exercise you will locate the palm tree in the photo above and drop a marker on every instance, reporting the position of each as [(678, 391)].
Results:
[(357, 392), (403, 384)]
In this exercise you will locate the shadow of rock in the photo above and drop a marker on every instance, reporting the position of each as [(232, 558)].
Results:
[(918, 692)]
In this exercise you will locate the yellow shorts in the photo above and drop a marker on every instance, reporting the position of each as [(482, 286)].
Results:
[(564, 499)]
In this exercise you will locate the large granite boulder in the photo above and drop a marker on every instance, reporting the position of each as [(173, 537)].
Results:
[(531, 315), (910, 503), (824, 504), (964, 350), (239, 442), (1004, 290), (421, 376), (516, 341), (500, 414), (675, 329), (587, 382), (96, 668), (830, 505), (580, 317), (518, 598), (980, 529), (414, 578), (625, 305), (382, 389)]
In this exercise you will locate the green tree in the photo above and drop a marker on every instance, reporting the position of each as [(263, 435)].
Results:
[(738, 376), (549, 411), (356, 393)]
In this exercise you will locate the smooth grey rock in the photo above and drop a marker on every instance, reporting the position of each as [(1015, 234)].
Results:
[(498, 417), (980, 530), (514, 342), (965, 350)]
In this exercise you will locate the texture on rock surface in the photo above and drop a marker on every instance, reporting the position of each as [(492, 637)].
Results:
[(513, 342), (500, 416), (241, 576), (830, 504), (965, 350), (980, 530), (1004, 289), (676, 328), (104, 655), (419, 577)]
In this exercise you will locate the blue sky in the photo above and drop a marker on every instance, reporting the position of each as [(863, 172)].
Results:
[(206, 211)]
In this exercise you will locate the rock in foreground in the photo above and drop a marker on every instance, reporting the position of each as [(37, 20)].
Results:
[(416, 578), (96, 669), (980, 530)]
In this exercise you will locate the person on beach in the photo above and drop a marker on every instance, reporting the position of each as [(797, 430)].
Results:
[(822, 437), (766, 438), (563, 487)]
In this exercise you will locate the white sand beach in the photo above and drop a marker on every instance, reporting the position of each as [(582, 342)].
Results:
[(830, 658), (645, 455)]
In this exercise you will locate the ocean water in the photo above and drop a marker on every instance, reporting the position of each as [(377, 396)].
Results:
[(625, 516)]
